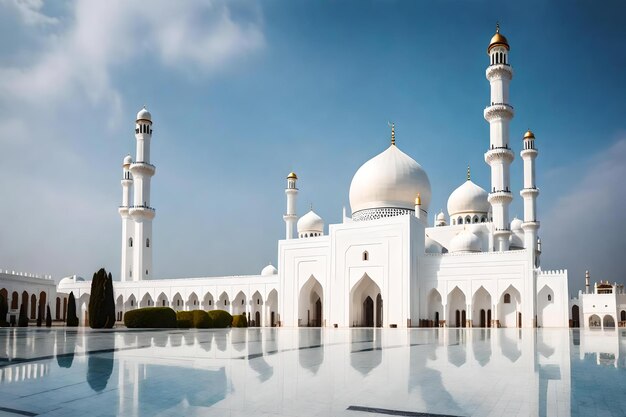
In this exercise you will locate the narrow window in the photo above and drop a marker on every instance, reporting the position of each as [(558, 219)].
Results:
[(209, 302), (146, 272), (242, 301), (366, 256), (147, 243), (258, 301), (130, 242), (549, 297), (132, 303), (507, 298)]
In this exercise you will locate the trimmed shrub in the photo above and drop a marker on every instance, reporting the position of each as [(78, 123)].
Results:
[(48, 317), (22, 321), (201, 319), (4, 309), (240, 320), (198, 319), (101, 302), (151, 317), (72, 318), (221, 319)]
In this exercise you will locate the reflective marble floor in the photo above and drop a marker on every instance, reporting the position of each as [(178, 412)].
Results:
[(312, 372)]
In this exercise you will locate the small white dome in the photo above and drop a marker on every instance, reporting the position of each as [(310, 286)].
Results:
[(391, 179), (465, 241), (432, 246), (144, 114), (516, 224), (441, 217), (468, 198), (71, 280), (269, 270), (310, 223), (128, 160)]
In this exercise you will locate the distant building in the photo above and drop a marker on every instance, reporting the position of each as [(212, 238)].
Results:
[(604, 306)]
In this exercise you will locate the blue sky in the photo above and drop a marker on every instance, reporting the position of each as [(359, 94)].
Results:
[(242, 93)]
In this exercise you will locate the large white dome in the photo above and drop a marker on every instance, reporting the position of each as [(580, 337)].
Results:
[(391, 179), (468, 198)]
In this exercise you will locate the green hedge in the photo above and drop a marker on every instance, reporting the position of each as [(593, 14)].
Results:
[(240, 320), (198, 319), (221, 319), (150, 317)]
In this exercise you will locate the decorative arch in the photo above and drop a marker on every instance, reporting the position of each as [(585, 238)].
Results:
[(15, 301), (547, 310), (33, 307), (509, 313), (193, 303), (131, 303), (310, 303), (271, 309), (146, 301), (239, 303), (435, 308), (162, 300), (595, 322), (256, 309), (177, 302), (119, 307), (608, 322), (481, 305), (366, 309), (622, 315), (457, 305), (223, 302), (209, 303), (575, 316)]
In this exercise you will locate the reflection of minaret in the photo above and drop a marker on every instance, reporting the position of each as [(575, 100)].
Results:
[(499, 156)]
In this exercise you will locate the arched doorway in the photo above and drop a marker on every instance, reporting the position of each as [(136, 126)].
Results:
[(192, 302), (456, 307), (481, 306), (608, 322), (147, 301), (622, 316), (435, 308), (223, 302), (362, 304), (595, 321), (256, 307), (239, 303), (310, 303), (58, 309), (33, 307), (547, 310), (210, 304), (379, 311), (575, 316), (25, 302), (271, 306)]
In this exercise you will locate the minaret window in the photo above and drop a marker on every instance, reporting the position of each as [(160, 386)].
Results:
[(147, 244), (130, 242), (468, 220), (507, 298), (549, 297), (459, 220), (366, 256), (146, 272)]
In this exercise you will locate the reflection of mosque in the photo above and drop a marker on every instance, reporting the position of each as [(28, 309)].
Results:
[(241, 369)]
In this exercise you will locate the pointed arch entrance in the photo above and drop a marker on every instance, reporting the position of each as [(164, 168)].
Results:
[(366, 304), (435, 308), (481, 305), (457, 304), (310, 303), (509, 308)]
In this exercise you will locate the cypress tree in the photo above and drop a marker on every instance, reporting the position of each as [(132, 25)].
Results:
[(22, 321), (72, 318), (4, 309), (39, 314), (101, 302), (48, 317)]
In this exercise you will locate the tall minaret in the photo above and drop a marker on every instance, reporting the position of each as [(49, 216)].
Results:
[(499, 156), (128, 229), (290, 217), (141, 212), (529, 193)]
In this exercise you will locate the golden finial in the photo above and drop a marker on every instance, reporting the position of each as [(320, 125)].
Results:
[(393, 133), (311, 206), (468, 173), (497, 27), (418, 200)]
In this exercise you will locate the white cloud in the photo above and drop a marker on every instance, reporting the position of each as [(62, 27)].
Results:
[(68, 67), (585, 228)]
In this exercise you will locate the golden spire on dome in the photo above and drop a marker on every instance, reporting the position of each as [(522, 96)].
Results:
[(469, 177), (292, 176), (498, 39), (529, 134), (393, 132), (418, 200)]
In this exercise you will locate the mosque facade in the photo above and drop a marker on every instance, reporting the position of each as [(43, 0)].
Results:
[(385, 265)]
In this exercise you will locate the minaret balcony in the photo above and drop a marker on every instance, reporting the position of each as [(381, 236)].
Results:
[(499, 71), (529, 192), (144, 212), (123, 210), (498, 111), (142, 168), (499, 154), (534, 225), (500, 196), (529, 153)]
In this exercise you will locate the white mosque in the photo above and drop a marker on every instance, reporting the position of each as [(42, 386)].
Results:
[(385, 265)]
